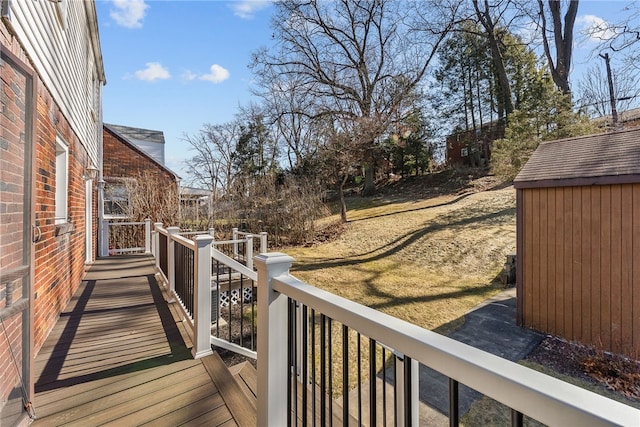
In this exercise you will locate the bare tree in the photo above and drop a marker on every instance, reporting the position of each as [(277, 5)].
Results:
[(562, 40), (594, 90), (622, 36), (288, 107), (354, 59), (212, 165)]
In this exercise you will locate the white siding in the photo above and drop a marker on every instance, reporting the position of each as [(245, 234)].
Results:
[(64, 57)]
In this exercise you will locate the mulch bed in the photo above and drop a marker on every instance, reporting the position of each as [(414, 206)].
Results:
[(618, 373)]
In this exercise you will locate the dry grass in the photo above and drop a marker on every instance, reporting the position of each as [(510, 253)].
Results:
[(427, 261)]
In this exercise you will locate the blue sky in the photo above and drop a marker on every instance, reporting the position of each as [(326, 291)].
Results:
[(175, 65)]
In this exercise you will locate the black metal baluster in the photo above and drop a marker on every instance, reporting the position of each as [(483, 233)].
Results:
[(372, 382), (218, 292), (395, 390), (254, 299), (359, 351), (384, 387), (330, 353), (291, 398), (345, 374), (294, 351), (313, 366), (517, 419), (304, 328), (454, 416), (407, 391), (323, 370)]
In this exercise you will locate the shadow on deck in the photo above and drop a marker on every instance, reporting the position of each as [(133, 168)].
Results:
[(119, 356)]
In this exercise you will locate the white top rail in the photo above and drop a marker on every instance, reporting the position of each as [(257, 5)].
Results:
[(547, 399), (228, 242), (184, 241), (111, 224), (193, 233), (233, 264)]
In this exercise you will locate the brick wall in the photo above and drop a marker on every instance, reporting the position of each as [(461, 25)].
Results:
[(121, 160), (60, 253), (59, 256)]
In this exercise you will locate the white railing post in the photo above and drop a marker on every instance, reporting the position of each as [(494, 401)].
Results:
[(273, 372), (212, 233), (147, 236), (202, 296), (235, 243), (104, 238), (248, 252), (263, 242), (171, 262), (156, 243)]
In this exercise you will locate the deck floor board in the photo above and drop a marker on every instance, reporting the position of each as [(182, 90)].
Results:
[(120, 355)]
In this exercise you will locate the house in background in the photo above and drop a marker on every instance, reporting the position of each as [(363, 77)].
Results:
[(50, 154), (137, 183), (473, 147), (578, 240)]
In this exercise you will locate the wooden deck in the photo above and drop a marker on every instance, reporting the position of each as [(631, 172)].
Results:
[(120, 356)]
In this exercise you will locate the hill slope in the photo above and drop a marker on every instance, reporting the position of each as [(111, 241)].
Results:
[(427, 260)]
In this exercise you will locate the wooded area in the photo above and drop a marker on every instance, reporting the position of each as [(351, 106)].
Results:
[(353, 93)]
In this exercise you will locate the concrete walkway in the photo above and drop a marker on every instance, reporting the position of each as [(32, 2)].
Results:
[(490, 327)]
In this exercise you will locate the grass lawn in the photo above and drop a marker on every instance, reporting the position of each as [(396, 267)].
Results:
[(427, 261)]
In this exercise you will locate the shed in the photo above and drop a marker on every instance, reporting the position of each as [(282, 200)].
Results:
[(578, 240)]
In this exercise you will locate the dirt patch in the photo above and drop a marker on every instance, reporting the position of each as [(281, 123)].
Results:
[(616, 373)]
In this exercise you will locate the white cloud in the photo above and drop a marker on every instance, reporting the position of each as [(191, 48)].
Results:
[(246, 9), (154, 71), (594, 28), (217, 74), (188, 75), (129, 13)]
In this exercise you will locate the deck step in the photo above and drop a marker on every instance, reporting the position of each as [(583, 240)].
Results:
[(247, 377), (239, 404)]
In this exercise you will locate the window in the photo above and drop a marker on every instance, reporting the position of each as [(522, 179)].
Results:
[(116, 200), (62, 180), (464, 152)]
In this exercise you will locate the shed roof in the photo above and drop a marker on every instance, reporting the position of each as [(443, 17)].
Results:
[(605, 158)]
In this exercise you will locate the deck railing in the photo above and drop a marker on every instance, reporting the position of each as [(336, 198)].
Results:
[(315, 349), (306, 347), (228, 279), (124, 237)]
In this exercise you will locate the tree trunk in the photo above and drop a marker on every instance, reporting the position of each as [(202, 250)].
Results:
[(343, 205), (369, 181), (503, 85), (563, 42)]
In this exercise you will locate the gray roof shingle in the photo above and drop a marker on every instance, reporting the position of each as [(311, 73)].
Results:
[(587, 160)]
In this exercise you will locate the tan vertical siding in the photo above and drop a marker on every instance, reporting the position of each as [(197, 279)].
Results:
[(635, 276), (626, 291), (604, 333), (596, 261), (583, 289), (581, 264), (551, 256)]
